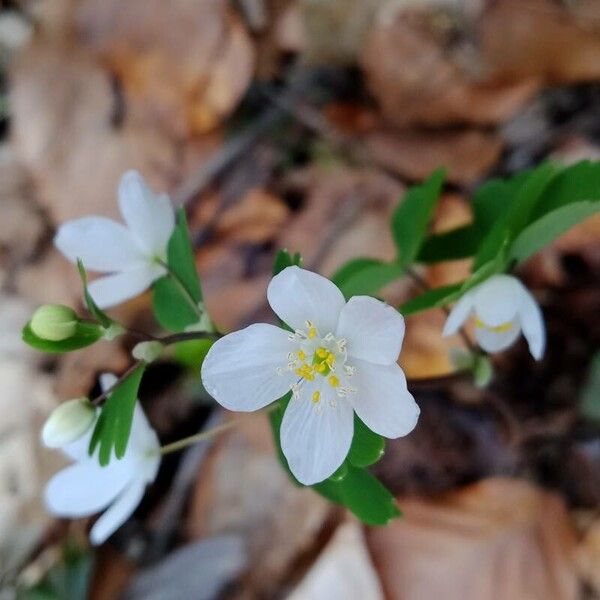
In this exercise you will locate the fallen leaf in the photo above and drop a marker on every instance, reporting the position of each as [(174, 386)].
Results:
[(467, 155), (342, 570), (500, 538), (184, 64), (588, 556)]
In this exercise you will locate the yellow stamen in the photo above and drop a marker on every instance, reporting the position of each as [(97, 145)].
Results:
[(330, 359), (496, 329), (316, 397), (334, 381), (305, 371), (321, 367), (312, 332), (321, 352), (302, 355)]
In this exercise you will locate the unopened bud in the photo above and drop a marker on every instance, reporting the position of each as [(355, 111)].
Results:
[(54, 322), (147, 351), (483, 371), (68, 422)]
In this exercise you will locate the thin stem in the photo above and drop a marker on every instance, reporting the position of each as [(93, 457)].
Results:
[(207, 435), (426, 287), (186, 336), (198, 437), (106, 393)]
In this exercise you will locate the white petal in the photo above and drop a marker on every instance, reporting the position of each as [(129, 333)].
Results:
[(102, 244), (297, 295), (240, 369), (532, 322), (316, 437), (113, 289), (85, 488), (107, 380), (144, 443), (496, 300), (382, 400), (374, 331), (496, 341), (122, 508), (458, 315), (150, 217), (78, 450)]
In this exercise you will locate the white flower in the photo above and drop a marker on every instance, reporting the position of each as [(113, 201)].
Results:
[(503, 308), (85, 488), (341, 358), (131, 254)]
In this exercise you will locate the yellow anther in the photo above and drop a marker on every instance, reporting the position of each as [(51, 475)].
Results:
[(321, 352), (334, 381), (321, 367), (302, 355), (312, 332), (316, 397), (305, 371), (330, 359), (496, 329)]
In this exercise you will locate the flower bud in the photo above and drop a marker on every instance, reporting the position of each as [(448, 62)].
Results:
[(147, 351), (54, 322), (68, 422), (483, 371)]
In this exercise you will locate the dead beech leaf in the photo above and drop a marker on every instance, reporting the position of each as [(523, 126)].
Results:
[(467, 155), (501, 538), (419, 73), (242, 489), (185, 64), (342, 570), (588, 556)]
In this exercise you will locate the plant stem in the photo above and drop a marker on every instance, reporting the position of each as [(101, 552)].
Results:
[(198, 437)]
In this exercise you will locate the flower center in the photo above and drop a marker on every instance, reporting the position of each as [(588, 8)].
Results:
[(318, 357), (503, 327)]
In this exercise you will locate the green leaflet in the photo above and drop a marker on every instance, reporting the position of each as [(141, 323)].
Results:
[(114, 423)]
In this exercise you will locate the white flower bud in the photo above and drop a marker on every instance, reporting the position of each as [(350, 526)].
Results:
[(54, 322), (147, 351), (68, 422)]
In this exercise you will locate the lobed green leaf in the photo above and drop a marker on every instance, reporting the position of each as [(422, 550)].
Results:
[(86, 334)]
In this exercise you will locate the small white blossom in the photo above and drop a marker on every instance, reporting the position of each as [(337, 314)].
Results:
[(340, 358), (85, 488), (503, 307), (131, 253)]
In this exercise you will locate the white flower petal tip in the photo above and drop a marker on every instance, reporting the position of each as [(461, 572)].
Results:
[(85, 488), (131, 253), (340, 359), (503, 307), (68, 422)]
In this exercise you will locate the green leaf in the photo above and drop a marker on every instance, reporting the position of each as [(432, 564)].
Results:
[(180, 258), (86, 334), (95, 311), (363, 494), (546, 229), (113, 427), (284, 259), (455, 244), (367, 446), (573, 184), (433, 298), (513, 220), (366, 276), (589, 404), (192, 353), (171, 308), (412, 216)]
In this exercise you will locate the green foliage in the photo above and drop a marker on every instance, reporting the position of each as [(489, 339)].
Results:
[(411, 218), (367, 446), (85, 334), (114, 423), (366, 276), (95, 311), (284, 259), (192, 353), (177, 296), (431, 299), (547, 228)]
